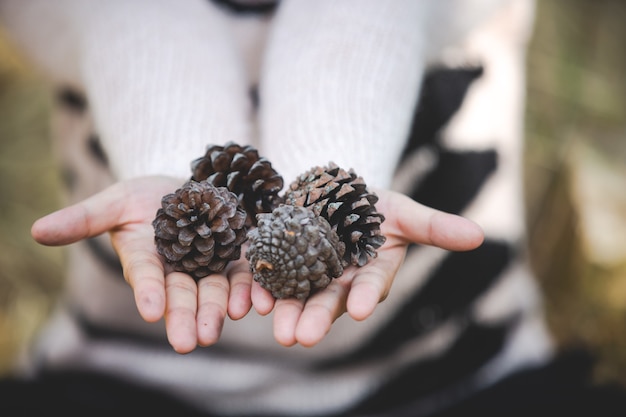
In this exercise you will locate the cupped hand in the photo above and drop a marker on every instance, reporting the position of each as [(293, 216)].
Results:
[(359, 290), (194, 313)]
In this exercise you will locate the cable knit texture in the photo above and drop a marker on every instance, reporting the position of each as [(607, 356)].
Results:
[(352, 112), (164, 78)]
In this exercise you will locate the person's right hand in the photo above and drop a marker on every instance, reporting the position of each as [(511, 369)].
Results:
[(194, 313)]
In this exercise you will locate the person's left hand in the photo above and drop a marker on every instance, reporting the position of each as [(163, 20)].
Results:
[(359, 290)]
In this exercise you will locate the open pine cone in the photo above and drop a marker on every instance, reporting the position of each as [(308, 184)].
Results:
[(293, 252), (342, 198), (242, 171), (200, 228)]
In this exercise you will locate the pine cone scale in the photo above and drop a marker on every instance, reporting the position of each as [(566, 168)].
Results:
[(205, 246), (220, 161), (203, 230), (239, 161)]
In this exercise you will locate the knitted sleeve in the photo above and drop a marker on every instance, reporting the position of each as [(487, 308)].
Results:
[(341, 80), (162, 78)]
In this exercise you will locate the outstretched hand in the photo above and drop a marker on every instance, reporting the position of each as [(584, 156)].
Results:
[(359, 290), (195, 312)]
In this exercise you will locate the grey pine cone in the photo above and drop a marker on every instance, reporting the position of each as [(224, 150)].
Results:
[(241, 170), (342, 198), (294, 252), (199, 228)]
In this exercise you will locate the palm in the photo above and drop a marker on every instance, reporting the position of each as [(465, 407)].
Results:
[(195, 312)]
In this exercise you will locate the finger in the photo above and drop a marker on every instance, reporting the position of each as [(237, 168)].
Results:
[(455, 233), (239, 301), (262, 299), (286, 315), (320, 312), (213, 293), (417, 223), (88, 218), (142, 268), (180, 314), (372, 283)]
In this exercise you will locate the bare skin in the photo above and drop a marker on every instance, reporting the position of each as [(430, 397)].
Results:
[(195, 313)]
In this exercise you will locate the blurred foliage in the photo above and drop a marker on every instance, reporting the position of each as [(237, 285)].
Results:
[(576, 93), (30, 275), (575, 128)]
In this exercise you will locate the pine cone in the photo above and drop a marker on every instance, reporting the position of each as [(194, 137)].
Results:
[(293, 252), (242, 171), (342, 198), (200, 228)]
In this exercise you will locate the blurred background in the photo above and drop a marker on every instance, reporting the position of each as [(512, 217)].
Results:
[(576, 173), (575, 183)]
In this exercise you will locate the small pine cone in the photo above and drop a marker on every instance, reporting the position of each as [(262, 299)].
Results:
[(199, 228), (242, 171), (342, 198), (293, 252)]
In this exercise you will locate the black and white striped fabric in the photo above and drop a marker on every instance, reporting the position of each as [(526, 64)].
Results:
[(453, 325)]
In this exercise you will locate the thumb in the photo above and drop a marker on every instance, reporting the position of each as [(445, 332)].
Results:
[(91, 217), (414, 222)]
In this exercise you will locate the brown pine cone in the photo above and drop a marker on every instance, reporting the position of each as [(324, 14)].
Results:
[(342, 198), (293, 252), (242, 171), (199, 228)]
